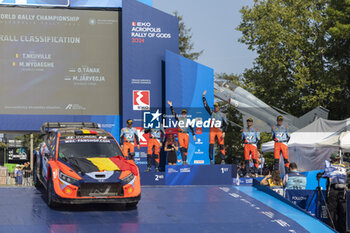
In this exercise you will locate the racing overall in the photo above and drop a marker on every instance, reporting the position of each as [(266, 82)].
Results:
[(250, 138), (281, 136), (216, 132), (336, 190), (156, 137), (183, 135), (127, 140)]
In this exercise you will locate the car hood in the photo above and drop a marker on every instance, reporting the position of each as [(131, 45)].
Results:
[(89, 165)]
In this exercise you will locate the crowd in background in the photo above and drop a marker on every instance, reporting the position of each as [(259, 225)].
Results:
[(23, 174)]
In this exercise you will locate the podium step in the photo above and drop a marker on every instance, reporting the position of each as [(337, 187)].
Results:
[(189, 175)]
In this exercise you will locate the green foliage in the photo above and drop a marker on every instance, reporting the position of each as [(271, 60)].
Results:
[(338, 52), (269, 157), (37, 139), (185, 40), (3, 145), (339, 19), (233, 78), (234, 147), (292, 70)]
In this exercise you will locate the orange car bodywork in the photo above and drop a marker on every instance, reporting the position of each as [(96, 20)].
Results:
[(70, 191)]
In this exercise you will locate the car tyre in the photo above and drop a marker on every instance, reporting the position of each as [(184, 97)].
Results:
[(36, 181), (50, 194)]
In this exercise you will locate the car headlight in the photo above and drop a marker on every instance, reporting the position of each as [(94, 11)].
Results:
[(66, 178), (129, 178)]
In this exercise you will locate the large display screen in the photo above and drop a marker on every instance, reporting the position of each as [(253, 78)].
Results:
[(59, 61)]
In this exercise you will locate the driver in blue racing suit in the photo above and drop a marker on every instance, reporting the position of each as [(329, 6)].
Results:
[(155, 142), (128, 136), (216, 132)]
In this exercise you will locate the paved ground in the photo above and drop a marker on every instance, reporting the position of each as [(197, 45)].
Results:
[(162, 209)]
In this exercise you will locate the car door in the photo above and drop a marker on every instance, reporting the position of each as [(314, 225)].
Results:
[(48, 152)]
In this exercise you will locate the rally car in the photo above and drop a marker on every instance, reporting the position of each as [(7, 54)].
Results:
[(80, 163)]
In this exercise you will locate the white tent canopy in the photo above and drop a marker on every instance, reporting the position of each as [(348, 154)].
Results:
[(310, 146), (268, 146), (345, 141)]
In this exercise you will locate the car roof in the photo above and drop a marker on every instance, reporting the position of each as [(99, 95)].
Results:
[(72, 131)]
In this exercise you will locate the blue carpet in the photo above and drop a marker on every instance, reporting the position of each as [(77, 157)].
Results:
[(162, 209)]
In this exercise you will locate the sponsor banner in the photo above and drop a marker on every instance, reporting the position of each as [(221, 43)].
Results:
[(154, 118), (185, 82), (198, 161), (17, 154), (198, 175), (141, 100), (143, 137), (308, 200), (144, 44), (242, 181), (147, 34), (299, 197)]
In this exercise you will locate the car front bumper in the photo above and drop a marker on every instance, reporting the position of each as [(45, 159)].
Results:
[(121, 200)]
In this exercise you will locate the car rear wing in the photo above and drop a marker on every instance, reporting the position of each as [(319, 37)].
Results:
[(45, 128)]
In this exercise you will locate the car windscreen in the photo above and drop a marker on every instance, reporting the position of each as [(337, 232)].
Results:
[(88, 147)]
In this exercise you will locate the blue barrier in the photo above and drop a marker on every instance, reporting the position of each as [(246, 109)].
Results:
[(266, 189), (305, 197), (242, 181), (311, 183), (299, 197), (307, 200)]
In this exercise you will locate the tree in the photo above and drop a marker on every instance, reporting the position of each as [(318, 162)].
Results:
[(269, 157), (37, 139), (186, 46), (3, 145), (291, 71), (233, 78), (339, 49)]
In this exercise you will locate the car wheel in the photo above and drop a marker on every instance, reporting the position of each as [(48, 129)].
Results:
[(49, 194), (36, 181)]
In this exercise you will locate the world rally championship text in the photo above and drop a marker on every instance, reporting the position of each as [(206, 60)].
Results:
[(40, 39)]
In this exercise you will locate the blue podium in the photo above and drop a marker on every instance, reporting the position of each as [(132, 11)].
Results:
[(152, 178), (190, 175)]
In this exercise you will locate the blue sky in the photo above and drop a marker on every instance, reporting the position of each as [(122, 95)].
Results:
[(213, 26)]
